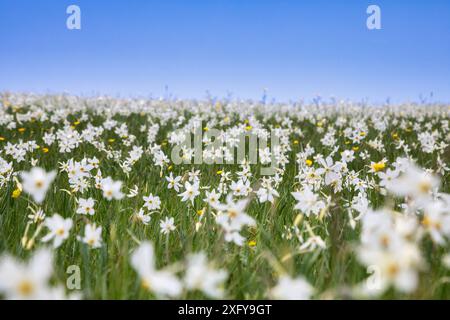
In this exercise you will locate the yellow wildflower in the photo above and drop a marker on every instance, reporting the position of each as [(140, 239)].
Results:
[(252, 243), (378, 166), (16, 193)]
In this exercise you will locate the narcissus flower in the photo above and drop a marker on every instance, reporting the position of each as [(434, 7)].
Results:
[(28, 281), (86, 206), (190, 192), (152, 202), (289, 288), (200, 275), (36, 182), (59, 229), (161, 282), (92, 236), (167, 225), (111, 189)]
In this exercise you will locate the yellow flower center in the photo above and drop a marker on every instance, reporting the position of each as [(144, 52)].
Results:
[(384, 240), (424, 187), (145, 284), (26, 288), (393, 269), (232, 213)]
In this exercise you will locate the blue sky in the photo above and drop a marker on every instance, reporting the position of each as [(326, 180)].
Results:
[(295, 49)]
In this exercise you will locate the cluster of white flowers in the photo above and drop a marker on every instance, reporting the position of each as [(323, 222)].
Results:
[(199, 275), (342, 176), (390, 239), (31, 280)]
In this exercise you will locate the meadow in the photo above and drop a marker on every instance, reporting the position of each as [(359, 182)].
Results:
[(92, 205)]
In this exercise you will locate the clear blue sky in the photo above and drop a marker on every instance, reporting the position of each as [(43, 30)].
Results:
[(295, 49)]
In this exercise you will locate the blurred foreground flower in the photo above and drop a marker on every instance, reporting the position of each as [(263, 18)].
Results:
[(160, 282), (36, 182)]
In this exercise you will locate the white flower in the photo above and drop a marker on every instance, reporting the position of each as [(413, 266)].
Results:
[(36, 182), (141, 216), (360, 204), (27, 281), (436, 221), (396, 267), (265, 155), (240, 188), (232, 217), (86, 206), (212, 198), (152, 202), (233, 214), (387, 246), (308, 202), (312, 243), (289, 288), (202, 276), (133, 192), (111, 189), (331, 171), (174, 182), (59, 229), (161, 282), (387, 177), (191, 191), (267, 194), (92, 236), (347, 156), (37, 216), (167, 225), (415, 183)]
